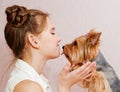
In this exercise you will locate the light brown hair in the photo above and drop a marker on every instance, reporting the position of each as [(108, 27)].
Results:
[(20, 21)]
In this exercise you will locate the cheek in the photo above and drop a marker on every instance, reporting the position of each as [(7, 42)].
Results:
[(52, 50), (50, 44), (53, 46)]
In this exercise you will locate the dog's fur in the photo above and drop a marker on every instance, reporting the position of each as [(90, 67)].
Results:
[(86, 48)]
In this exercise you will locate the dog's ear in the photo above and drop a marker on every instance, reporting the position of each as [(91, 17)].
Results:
[(93, 38)]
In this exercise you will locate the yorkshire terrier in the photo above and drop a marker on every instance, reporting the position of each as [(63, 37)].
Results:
[(86, 48)]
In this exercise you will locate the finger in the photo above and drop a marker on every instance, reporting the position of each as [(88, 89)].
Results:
[(82, 68), (87, 76), (87, 69), (66, 69), (94, 65), (80, 71)]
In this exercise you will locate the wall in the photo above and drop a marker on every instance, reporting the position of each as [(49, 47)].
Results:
[(71, 18)]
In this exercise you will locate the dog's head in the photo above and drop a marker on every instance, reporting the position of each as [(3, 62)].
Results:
[(82, 49)]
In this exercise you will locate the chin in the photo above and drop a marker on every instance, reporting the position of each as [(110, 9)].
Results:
[(54, 56)]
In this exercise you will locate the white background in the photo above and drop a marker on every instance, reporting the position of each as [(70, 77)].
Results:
[(71, 18)]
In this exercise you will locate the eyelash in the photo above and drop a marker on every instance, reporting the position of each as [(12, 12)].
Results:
[(53, 33)]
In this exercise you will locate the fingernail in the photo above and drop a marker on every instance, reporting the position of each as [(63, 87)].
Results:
[(94, 63)]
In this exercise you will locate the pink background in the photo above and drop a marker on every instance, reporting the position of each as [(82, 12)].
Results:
[(71, 18)]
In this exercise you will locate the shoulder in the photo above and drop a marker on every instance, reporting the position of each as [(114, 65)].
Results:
[(28, 86)]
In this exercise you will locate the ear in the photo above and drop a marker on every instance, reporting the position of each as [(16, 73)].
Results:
[(93, 38), (32, 39)]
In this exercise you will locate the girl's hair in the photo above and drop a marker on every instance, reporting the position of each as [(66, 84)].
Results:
[(20, 21)]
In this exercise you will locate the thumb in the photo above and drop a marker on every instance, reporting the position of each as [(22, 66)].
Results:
[(66, 69)]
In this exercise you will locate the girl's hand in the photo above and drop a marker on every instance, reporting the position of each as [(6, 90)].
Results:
[(67, 79)]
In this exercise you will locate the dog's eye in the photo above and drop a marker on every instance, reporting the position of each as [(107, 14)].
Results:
[(74, 43)]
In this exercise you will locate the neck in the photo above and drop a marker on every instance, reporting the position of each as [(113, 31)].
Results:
[(100, 60), (36, 61)]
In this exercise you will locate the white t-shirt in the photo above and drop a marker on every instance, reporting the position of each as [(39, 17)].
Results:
[(24, 71)]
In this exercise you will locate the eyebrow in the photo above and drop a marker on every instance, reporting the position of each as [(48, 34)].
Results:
[(53, 28)]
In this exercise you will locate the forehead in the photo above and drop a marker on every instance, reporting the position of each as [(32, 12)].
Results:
[(50, 24), (44, 25), (80, 39)]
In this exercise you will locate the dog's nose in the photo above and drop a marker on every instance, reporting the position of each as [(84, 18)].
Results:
[(63, 47)]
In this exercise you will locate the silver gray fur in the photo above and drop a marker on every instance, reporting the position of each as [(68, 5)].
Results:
[(103, 66)]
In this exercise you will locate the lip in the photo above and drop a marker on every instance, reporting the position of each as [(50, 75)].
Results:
[(58, 45), (62, 53)]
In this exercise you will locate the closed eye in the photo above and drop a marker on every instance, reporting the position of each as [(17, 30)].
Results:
[(53, 33)]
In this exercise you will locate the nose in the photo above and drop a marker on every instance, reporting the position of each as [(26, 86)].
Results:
[(58, 39), (63, 47)]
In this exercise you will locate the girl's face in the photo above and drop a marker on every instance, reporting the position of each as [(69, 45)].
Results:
[(49, 42)]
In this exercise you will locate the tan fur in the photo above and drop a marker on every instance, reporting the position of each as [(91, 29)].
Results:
[(81, 50)]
